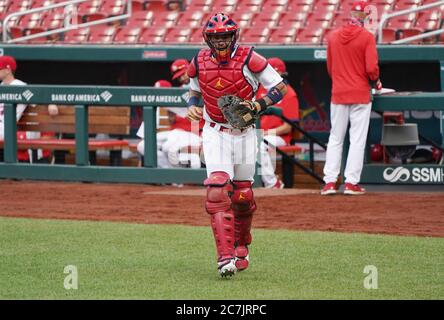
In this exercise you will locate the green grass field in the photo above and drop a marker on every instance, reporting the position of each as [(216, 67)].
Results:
[(136, 261)]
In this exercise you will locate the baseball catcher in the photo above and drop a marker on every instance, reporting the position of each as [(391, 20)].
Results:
[(226, 76)]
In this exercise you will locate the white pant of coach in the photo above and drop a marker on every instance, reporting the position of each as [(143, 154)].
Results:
[(358, 115)]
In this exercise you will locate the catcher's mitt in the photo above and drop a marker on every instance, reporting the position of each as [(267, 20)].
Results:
[(239, 116)]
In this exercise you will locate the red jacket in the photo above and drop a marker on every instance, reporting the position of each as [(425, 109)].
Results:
[(352, 61)]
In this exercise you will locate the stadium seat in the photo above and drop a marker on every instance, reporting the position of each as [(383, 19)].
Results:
[(243, 19), (429, 20), (293, 20), (313, 23), (322, 9), (256, 36), (326, 34), (128, 35), (267, 20), (153, 35), (166, 19), (249, 6), (178, 35), (43, 3), (14, 21), (53, 20), (138, 5), (90, 11), (39, 40), (196, 37), (441, 38), (102, 34), (77, 36), (191, 19), (94, 16), (91, 6), (300, 5), (31, 20), (199, 5), (15, 32), (310, 36), (19, 5), (404, 5), (141, 19), (271, 6), (113, 7), (406, 33), (383, 7), (399, 23), (388, 35), (226, 6), (330, 2), (283, 36), (156, 5)]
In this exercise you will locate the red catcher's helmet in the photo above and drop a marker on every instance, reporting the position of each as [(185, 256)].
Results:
[(221, 24), (376, 152), (163, 84), (179, 68), (278, 65)]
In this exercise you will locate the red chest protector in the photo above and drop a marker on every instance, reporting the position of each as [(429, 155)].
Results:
[(216, 80)]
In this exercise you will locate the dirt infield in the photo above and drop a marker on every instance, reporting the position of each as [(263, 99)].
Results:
[(419, 214)]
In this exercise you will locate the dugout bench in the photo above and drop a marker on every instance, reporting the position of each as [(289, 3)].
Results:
[(104, 119)]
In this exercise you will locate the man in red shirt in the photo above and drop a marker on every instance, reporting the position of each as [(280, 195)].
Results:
[(276, 131), (352, 63)]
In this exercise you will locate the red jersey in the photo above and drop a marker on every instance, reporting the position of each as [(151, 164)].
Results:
[(290, 109), (352, 61)]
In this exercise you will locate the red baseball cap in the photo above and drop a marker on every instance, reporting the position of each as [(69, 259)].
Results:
[(8, 62), (163, 84), (359, 6), (178, 68), (278, 65)]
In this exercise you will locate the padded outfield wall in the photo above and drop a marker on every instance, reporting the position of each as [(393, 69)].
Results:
[(403, 68)]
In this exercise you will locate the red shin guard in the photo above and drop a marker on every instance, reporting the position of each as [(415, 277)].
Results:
[(218, 205), (243, 205)]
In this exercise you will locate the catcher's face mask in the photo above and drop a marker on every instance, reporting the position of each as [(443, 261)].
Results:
[(220, 34)]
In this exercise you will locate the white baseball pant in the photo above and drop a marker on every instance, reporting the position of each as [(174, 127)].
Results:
[(358, 115), (234, 153)]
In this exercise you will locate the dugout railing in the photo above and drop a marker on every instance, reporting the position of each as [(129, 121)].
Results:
[(70, 22), (288, 161), (80, 97)]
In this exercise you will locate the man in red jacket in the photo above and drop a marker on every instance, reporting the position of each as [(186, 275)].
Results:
[(352, 63)]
